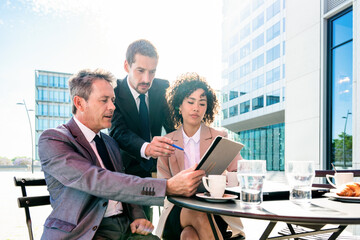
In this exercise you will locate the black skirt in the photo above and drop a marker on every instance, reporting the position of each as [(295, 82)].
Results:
[(172, 230)]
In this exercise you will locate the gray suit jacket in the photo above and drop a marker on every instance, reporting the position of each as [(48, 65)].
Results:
[(80, 189)]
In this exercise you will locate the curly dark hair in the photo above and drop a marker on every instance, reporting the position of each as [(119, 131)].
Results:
[(182, 88)]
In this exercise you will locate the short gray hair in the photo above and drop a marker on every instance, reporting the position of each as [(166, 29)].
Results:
[(80, 84)]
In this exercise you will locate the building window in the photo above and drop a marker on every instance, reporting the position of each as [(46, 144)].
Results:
[(258, 42), (234, 40), (273, 53), (265, 143), (283, 94), (244, 51), (245, 31), (273, 10), (284, 24), (283, 45), (244, 70), (245, 107), (225, 113), (233, 94), (340, 91), (257, 82), (256, 4), (258, 21), (258, 62), (273, 75), (273, 32), (273, 97), (244, 13), (233, 111), (257, 102), (225, 97), (283, 71), (244, 88), (42, 80)]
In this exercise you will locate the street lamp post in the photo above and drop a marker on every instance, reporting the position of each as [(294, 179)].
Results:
[(31, 134), (346, 118)]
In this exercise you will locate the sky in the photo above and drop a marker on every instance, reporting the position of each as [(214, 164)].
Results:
[(68, 35)]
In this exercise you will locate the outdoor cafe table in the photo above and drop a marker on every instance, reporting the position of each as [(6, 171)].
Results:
[(321, 211)]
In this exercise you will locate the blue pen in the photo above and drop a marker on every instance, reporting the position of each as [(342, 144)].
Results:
[(177, 147)]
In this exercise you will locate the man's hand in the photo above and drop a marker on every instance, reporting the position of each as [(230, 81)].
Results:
[(185, 182), (159, 147), (141, 226)]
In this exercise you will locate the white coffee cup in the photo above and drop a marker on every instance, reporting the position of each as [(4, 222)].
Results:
[(340, 178), (232, 179), (216, 186)]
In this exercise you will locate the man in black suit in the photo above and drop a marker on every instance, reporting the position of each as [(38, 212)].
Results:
[(139, 138)]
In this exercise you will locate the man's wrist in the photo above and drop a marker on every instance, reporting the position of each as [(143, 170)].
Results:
[(143, 151)]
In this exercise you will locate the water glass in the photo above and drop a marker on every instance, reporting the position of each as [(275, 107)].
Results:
[(300, 175), (251, 175)]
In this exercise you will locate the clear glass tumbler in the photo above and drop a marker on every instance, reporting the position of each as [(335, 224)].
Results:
[(300, 176), (251, 175)]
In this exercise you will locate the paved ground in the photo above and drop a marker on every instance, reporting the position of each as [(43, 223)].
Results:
[(12, 218)]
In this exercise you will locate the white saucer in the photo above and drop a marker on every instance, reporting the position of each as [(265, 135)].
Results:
[(342, 198), (224, 198)]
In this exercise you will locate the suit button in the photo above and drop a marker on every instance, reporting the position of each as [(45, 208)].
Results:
[(105, 204), (94, 228)]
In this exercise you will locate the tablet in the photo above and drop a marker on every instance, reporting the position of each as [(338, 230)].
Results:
[(218, 157)]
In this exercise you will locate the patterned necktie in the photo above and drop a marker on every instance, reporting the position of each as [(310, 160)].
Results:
[(103, 153)]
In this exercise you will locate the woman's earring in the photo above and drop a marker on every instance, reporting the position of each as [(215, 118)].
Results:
[(180, 111)]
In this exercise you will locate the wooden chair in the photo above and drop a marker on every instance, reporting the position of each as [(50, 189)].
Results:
[(27, 202)]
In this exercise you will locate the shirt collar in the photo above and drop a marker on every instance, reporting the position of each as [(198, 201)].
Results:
[(195, 137), (88, 133), (134, 93)]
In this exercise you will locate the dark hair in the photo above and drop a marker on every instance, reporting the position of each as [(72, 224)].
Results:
[(182, 88), (80, 84), (143, 47)]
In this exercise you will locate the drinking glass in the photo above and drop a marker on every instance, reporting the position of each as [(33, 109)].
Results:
[(300, 175), (251, 175)]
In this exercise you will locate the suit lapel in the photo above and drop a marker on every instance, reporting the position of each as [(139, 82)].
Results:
[(127, 102), (80, 138), (206, 139), (153, 103), (118, 165), (179, 155)]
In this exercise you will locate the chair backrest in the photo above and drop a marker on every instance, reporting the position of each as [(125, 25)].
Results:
[(26, 202), (323, 173)]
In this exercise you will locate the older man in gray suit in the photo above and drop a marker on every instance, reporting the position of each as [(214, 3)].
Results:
[(90, 195)]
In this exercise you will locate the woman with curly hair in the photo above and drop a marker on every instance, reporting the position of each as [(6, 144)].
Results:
[(193, 106)]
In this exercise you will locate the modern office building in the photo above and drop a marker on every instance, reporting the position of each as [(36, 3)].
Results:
[(290, 80), (52, 102), (253, 91)]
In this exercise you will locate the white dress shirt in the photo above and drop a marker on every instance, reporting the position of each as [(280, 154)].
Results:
[(114, 207), (136, 95), (191, 148)]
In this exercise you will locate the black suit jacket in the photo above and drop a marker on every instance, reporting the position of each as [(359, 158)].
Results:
[(125, 127)]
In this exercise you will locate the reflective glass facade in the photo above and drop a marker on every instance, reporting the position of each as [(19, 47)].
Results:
[(254, 76), (340, 89), (265, 143), (53, 103)]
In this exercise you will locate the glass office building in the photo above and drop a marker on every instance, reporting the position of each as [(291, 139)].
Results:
[(253, 77), (52, 101)]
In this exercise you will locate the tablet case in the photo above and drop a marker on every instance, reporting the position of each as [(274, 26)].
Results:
[(218, 157)]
